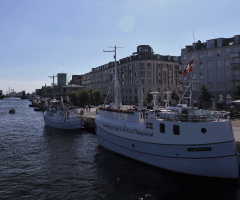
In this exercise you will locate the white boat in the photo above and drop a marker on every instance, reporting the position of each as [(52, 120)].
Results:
[(62, 116), (182, 139)]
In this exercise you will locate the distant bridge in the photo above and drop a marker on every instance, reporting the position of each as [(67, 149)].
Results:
[(13, 96)]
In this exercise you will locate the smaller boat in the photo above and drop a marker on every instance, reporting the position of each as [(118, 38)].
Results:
[(12, 111), (63, 116)]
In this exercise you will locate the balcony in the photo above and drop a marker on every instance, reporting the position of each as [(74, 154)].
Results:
[(235, 66), (235, 78), (234, 54)]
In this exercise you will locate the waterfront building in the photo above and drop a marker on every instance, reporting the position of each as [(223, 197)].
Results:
[(76, 80), (216, 65), (87, 79), (141, 71), (61, 79)]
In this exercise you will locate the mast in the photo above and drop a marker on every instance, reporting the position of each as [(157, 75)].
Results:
[(116, 85), (53, 76)]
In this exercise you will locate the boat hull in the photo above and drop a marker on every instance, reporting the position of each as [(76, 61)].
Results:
[(74, 123), (221, 161)]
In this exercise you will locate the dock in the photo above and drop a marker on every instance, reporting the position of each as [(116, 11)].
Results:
[(89, 118)]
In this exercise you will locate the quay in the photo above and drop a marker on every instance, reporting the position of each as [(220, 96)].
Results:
[(89, 118)]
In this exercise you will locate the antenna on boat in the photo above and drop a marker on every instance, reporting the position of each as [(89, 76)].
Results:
[(168, 98), (117, 92), (155, 107), (53, 76)]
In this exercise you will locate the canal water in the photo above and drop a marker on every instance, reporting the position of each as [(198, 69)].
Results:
[(38, 162)]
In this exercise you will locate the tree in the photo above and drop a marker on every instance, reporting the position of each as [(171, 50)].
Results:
[(149, 96), (205, 96), (237, 92), (84, 97), (97, 97), (74, 95), (174, 96)]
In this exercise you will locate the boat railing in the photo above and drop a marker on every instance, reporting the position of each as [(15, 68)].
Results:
[(195, 117)]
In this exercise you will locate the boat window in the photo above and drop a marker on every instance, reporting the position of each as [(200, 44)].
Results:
[(162, 128), (176, 130), (146, 115)]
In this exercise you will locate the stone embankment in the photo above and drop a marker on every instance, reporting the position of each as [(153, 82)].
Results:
[(236, 129)]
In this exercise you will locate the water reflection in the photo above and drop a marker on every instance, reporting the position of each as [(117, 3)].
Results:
[(129, 179)]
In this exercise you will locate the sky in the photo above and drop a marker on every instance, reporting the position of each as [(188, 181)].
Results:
[(41, 38)]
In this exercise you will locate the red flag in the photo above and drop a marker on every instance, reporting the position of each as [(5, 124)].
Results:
[(188, 68)]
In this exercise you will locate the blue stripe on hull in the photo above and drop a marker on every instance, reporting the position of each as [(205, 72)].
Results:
[(221, 161)]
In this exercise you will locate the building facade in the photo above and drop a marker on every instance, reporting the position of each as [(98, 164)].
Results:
[(76, 80), (138, 73), (216, 65), (61, 79)]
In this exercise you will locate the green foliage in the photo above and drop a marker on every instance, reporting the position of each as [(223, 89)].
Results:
[(205, 97), (174, 96), (97, 97), (74, 97), (149, 96), (237, 93), (86, 97)]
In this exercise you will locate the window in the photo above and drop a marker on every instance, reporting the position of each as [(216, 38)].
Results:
[(209, 53), (209, 64), (165, 76), (219, 85), (210, 85), (141, 73), (228, 86), (129, 74), (136, 99), (227, 62), (130, 82), (176, 130), (162, 128), (141, 65), (227, 52), (194, 76)]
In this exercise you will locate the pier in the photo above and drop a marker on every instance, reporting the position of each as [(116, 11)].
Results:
[(89, 118)]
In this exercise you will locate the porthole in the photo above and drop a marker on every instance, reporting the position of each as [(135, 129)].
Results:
[(203, 130)]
